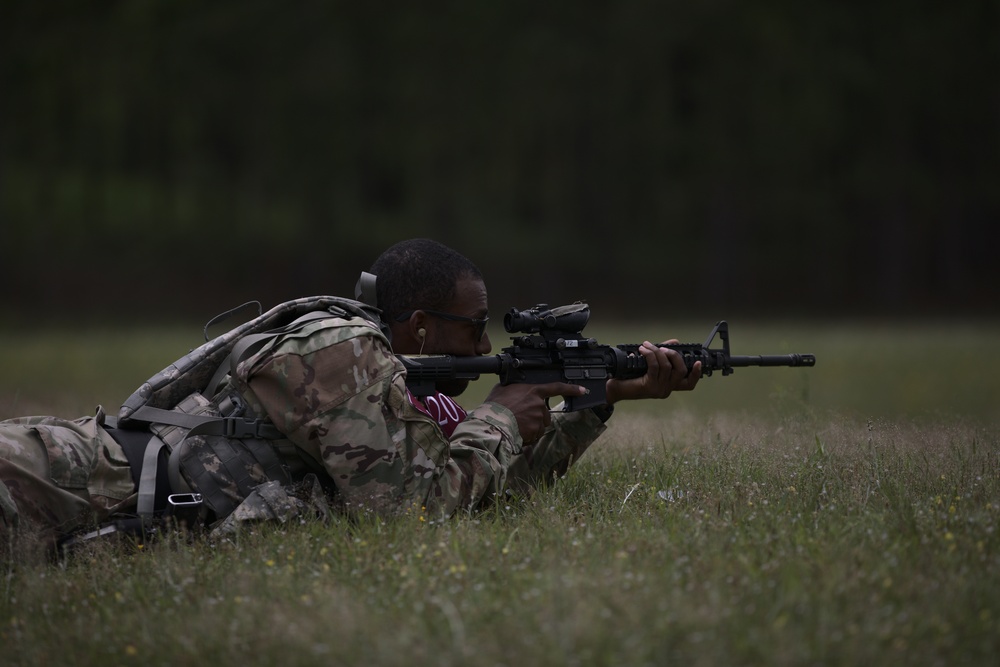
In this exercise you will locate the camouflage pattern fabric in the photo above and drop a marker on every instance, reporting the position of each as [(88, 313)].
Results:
[(337, 391), (58, 475), (273, 502), (551, 455), (193, 371)]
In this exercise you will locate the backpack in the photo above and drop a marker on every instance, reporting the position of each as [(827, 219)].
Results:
[(161, 417)]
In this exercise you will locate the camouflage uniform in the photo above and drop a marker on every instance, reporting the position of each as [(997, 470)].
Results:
[(336, 391), (58, 475)]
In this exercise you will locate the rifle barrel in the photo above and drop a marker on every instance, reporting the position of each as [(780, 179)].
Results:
[(773, 360)]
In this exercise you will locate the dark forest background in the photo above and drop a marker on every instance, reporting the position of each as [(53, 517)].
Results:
[(169, 159)]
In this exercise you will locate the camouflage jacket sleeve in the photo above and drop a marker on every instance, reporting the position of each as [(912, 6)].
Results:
[(560, 446), (337, 391)]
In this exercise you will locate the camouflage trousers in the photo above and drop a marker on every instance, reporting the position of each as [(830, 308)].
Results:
[(58, 476)]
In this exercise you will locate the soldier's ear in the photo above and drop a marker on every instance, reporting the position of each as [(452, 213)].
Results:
[(418, 324), (411, 328)]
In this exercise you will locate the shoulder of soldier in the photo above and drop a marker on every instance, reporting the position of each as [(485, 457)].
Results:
[(333, 341), (352, 343), (328, 332)]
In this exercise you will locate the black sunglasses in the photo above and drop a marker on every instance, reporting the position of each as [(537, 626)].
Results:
[(480, 324)]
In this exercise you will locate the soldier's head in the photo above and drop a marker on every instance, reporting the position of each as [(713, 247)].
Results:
[(433, 298)]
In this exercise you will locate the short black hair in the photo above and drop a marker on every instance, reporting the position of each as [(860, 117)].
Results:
[(419, 274)]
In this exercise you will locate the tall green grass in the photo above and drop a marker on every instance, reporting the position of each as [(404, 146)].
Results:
[(820, 521)]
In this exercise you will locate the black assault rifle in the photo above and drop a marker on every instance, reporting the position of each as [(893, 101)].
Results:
[(553, 349)]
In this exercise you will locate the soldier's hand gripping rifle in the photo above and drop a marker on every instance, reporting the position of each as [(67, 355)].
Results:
[(552, 348)]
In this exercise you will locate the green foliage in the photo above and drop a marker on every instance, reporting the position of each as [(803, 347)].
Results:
[(815, 154)]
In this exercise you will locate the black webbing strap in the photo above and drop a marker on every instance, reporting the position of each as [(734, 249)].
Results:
[(146, 458), (229, 427)]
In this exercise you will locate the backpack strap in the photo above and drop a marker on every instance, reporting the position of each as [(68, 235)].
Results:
[(229, 427), (146, 504), (144, 452)]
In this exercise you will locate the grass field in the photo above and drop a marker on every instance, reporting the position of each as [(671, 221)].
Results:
[(840, 515)]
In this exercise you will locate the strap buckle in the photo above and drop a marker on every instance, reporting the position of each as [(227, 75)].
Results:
[(235, 427)]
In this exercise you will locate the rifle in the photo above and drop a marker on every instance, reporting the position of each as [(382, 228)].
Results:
[(551, 348)]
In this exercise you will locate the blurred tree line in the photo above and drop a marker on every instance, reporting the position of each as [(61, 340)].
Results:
[(172, 158)]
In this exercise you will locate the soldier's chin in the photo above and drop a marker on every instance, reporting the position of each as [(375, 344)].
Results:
[(452, 387)]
